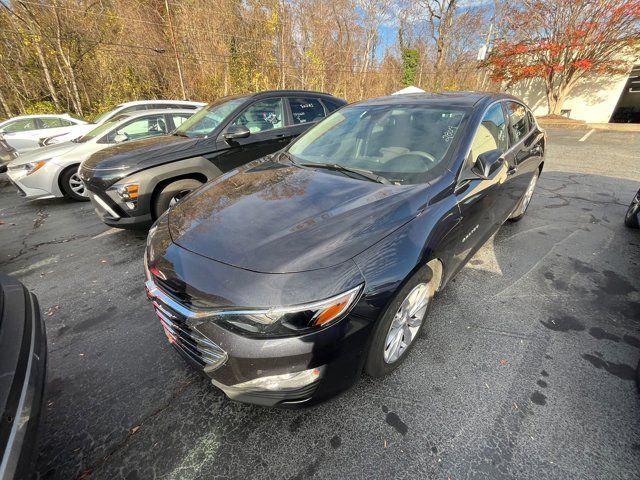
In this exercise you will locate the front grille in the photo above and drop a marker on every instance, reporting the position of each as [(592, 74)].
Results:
[(188, 340)]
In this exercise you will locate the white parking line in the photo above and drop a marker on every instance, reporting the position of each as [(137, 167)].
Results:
[(586, 135), (111, 231), (35, 266)]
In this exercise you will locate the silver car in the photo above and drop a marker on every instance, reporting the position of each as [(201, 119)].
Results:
[(52, 171)]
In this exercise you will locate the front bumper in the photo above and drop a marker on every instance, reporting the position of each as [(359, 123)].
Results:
[(326, 362), (39, 185), (115, 214)]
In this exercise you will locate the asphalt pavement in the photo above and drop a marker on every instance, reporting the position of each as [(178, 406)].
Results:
[(526, 369)]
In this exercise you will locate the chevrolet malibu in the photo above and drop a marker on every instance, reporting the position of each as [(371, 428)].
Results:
[(286, 278)]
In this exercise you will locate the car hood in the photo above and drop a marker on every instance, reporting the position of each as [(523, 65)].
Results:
[(44, 153), (282, 218), (141, 153)]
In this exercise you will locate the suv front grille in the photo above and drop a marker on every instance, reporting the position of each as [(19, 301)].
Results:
[(186, 339)]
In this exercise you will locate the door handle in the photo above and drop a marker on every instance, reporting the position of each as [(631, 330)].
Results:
[(280, 135)]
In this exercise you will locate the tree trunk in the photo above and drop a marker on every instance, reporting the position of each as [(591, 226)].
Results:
[(47, 75), (5, 106)]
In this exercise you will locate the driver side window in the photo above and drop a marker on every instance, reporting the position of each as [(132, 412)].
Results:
[(491, 133), (262, 116)]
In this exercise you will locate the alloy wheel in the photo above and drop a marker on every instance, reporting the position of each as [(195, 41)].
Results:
[(76, 185), (528, 195), (178, 196), (406, 322)]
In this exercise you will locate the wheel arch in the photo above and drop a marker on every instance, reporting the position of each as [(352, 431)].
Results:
[(198, 176)]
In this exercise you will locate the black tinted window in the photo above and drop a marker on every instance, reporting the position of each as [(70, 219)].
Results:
[(306, 110), (518, 120), (331, 104)]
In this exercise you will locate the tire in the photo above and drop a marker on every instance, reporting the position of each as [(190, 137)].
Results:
[(631, 218), (381, 359), (71, 185), (524, 202), (173, 193)]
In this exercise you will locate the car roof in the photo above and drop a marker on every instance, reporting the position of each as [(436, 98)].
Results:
[(454, 99), (273, 93), (156, 111), (42, 115), (147, 102)]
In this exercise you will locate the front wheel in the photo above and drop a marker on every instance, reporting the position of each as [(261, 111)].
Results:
[(521, 209), (173, 193), (402, 322), (633, 212), (72, 186)]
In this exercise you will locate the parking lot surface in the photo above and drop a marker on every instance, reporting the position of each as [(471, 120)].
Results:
[(526, 369)]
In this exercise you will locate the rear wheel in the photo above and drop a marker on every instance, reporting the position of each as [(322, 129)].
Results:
[(521, 209), (173, 193), (72, 186), (631, 218), (402, 321)]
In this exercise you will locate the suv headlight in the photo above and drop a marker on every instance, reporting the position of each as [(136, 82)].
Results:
[(129, 194), (286, 320)]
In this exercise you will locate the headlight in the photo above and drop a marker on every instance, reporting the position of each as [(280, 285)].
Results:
[(129, 194), (31, 167), (298, 318)]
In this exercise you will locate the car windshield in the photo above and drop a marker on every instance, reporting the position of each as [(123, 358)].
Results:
[(402, 143), (100, 129), (203, 122)]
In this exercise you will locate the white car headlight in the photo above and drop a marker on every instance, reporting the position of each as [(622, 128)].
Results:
[(30, 167)]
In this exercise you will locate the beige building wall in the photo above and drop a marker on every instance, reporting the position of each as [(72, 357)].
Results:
[(593, 99)]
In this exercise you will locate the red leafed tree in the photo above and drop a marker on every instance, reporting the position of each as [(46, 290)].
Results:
[(559, 41)]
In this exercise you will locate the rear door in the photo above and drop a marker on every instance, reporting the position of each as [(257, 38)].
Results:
[(524, 153), (267, 121), (304, 112)]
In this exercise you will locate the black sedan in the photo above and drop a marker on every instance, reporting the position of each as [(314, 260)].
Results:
[(23, 357), (133, 183), (283, 280)]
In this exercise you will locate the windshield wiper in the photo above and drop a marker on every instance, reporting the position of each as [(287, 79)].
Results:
[(369, 175), (180, 134)]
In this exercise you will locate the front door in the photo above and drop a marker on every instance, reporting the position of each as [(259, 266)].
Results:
[(481, 201), (269, 132)]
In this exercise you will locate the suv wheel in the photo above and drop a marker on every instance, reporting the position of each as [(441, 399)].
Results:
[(173, 193)]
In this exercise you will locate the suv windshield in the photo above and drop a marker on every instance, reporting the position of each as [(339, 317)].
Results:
[(402, 143), (100, 129), (204, 121)]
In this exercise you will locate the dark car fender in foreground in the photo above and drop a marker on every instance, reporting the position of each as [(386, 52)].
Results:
[(23, 359)]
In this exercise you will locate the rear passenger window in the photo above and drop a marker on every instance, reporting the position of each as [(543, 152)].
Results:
[(306, 110), (491, 133), (518, 121)]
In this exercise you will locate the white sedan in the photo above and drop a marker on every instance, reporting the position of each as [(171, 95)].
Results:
[(52, 171), (128, 107), (25, 132)]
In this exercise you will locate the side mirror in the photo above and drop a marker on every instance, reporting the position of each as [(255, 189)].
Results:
[(236, 131), (488, 162), (120, 137)]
